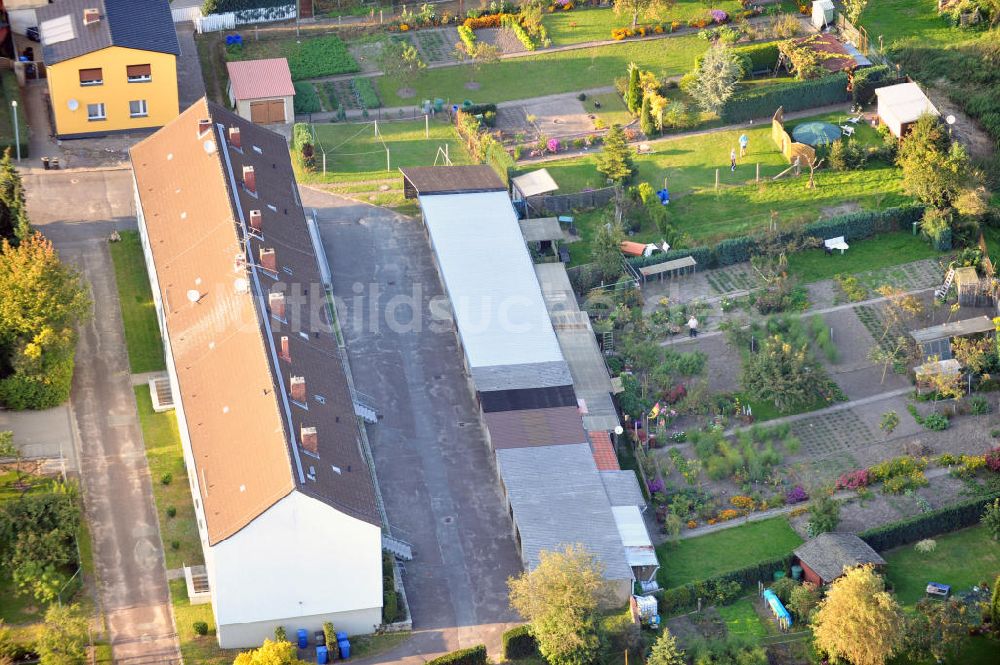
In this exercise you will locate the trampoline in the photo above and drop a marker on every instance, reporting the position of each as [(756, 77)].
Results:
[(816, 133)]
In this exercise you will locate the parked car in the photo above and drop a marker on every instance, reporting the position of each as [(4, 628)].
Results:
[(32, 34)]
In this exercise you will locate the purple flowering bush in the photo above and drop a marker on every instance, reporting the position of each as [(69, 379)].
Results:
[(719, 16), (796, 495), (656, 485), (553, 145)]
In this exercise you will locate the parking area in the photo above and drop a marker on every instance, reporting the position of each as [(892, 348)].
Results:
[(433, 468)]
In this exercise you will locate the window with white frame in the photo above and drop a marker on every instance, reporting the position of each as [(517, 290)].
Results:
[(96, 112), (137, 108), (139, 73)]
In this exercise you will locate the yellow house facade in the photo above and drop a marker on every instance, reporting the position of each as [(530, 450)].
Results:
[(113, 90), (111, 65)]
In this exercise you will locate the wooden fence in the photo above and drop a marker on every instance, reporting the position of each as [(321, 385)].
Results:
[(789, 148)]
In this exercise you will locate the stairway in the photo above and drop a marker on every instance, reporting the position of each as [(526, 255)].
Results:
[(398, 548), (942, 292)]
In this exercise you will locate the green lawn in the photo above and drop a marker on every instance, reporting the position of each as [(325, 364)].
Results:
[(741, 619), (612, 111), (164, 455), (916, 20), (596, 24), (962, 559), (550, 73), (142, 330), (879, 252), (694, 559), (200, 649)]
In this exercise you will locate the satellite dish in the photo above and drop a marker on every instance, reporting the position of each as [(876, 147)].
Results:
[(619, 430), (241, 285), (73, 104), (194, 295), (210, 146), (950, 120)]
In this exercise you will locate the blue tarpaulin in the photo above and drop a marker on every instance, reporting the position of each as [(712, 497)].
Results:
[(777, 608)]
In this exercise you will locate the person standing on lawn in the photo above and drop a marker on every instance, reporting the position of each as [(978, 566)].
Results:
[(744, 143), (732, 160)]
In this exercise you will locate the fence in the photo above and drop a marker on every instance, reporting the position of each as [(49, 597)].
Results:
[(185, 14), (557, 204), (789, 148), (857, 35), (229, 20)]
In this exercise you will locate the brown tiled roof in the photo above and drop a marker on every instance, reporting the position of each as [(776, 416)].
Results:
[(233, 388), (423, 180), (535, 427), (604, 452)]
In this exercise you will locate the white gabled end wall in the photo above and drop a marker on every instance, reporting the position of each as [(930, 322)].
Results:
[(300, 563)]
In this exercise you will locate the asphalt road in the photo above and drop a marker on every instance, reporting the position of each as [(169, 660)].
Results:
[(434, 470), (78, 211)]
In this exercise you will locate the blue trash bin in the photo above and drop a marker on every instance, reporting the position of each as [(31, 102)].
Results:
[(345, 648), (303, 638), (322, 655)]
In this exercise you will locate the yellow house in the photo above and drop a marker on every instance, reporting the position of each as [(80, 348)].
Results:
[(111, 65)]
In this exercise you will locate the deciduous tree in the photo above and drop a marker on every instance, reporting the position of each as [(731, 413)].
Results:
[(14, 224), (560, 600), (935, 170), (634, 8), (991, 519), (938, 628), (63, 640), (781, 372), (859, 621), (400, 60)]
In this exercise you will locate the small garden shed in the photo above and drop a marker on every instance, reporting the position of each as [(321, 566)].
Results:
[(901, 105), (935, 342), (824, 558), (261, 90)]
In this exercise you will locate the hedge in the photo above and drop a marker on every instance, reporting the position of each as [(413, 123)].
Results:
[(472, 656), (12, 92), (867, 80), (223, 6), (761, 57), (853, 226), (927, 525), (684, 597), (763, 102), (306, 100), (519, 643)]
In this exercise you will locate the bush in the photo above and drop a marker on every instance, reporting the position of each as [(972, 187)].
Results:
[(869, 79), (175, 545), (390, 606), (757, 57), (519, 643), (306, 99), (301, 136), (200, 628), (926, 546), (468, 38), (171, 511), (472, 656), (847, 155), (167, 478), (762, 103), (979, 405), (926, 525), (729, 584), (936, 422), (783, 589)]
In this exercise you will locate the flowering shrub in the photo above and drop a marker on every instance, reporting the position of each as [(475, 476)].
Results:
[(701, 19), (968, 465), (631, 134), (744, 502), (553, 145), (403, 27), (853, 480), (675, 394), (901, 483), (691, 524), (947, 459), (489, 21), (796, 495), (719, 17), (898, 466), (728, 514), (656, 485), (712, 521), (644, 30), (467, 37), (798, 512), (992, 459)]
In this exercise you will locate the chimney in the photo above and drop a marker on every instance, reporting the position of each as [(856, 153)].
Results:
[(309, 439), (276, 301), (204, 127), (249, 179), (285, 354), (91, 15), (234, 137), (268, 261), (298, 389), (255, 221)]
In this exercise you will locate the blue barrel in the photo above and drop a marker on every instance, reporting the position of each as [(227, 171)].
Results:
[(303, 638), (322, 656), (341, 636), (345, 648)]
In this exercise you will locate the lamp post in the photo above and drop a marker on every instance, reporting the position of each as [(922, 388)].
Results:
[(17, 132)]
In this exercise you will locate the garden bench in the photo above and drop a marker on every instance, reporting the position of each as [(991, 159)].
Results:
[(835, 243)]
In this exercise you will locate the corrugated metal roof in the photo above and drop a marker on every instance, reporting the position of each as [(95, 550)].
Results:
[(977, 325), (490, 279), (260, 79), (424, 180), (623, 488), (539, 229), (534, 183), (558, 500), (535, 427), (517, 377), (146, 25)]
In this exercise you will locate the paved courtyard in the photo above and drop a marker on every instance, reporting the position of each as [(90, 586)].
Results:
[(434, 471)]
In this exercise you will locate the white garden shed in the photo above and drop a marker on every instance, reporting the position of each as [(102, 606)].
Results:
[(901, 105)]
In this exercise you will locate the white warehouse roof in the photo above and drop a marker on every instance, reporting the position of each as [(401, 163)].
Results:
[(489, 277)]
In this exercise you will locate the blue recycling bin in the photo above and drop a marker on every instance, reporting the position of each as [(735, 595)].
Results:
[(303, 638), (322, 656), (345, 648), (234, 40)]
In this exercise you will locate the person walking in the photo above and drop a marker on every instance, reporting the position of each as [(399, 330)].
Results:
[(692, 326), (744, 143), (732, 160)]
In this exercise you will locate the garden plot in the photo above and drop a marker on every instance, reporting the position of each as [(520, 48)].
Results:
[(852, 369), (502, 38), (557, 118), (730, 279), (832, 433), (436, 46)]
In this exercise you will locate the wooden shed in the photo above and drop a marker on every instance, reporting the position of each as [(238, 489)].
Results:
[(825, 557), (261, 90)]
